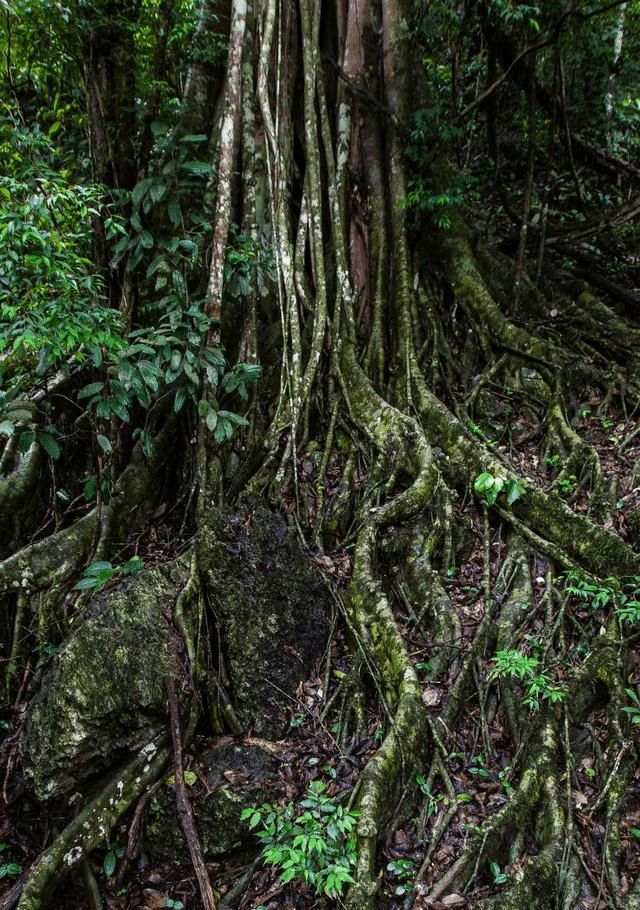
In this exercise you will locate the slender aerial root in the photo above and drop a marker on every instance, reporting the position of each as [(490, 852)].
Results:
[(92, 826)]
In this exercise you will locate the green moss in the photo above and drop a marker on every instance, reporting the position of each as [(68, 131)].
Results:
[(104, 693)]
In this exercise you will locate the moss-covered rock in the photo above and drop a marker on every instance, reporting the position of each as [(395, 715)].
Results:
[(103, 695), (237, 775), (271, 609)]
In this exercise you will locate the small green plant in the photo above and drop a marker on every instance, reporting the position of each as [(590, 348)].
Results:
[(625, 599), (317, 845), (403, 869), (176, 905), (492, 485), (190, 777), (515, 665), (8, 868), (633, 710), (99, 573), (47, 649), (597, 596), (478, 768), (568, 484), (432, 800), (499, 877), (503, 775), (111, 859), (553, 461), (628, 602)]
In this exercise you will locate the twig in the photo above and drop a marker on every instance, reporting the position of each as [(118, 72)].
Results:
[(134, 827), (185, 811)]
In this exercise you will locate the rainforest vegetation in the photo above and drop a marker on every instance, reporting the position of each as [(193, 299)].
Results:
[(319, 454)]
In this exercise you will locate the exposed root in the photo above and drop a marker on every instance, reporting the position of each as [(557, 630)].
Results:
[(92, 825)]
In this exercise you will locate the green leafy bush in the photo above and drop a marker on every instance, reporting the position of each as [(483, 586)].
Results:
[(514, 664), (317, 845), (598, 595)]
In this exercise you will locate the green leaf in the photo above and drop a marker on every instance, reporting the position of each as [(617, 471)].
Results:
[(514, 491), (149, 373), (97, 568), (174, 212), (140, 189), (483, 482), (146, 239), (109, 864), (132, 567), (200, 168), (50, 445), (104, 444), (91, 389), (85, 583), (181, 397), (7, 428)]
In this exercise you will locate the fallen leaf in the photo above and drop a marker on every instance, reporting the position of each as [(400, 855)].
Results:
[(154, 899), (431, 697)]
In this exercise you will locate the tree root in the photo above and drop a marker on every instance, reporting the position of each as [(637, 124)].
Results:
[(92, 826)]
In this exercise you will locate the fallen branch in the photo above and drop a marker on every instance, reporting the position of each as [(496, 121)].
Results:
[(185, 811)]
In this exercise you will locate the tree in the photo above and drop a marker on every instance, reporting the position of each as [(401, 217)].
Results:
[(299, 190)]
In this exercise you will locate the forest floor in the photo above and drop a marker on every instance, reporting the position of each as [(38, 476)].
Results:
[(480, 761)]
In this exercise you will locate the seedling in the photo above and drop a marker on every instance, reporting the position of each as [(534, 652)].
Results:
[(402, 869), (633, 710), (499, 877), (478, 768), (626, 602), (502, 775), (99, 573), (8, 868), (111, 859), (432, 801), (568, 484), (492, 486)]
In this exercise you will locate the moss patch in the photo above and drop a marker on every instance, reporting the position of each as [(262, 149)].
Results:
[(103, 696)]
